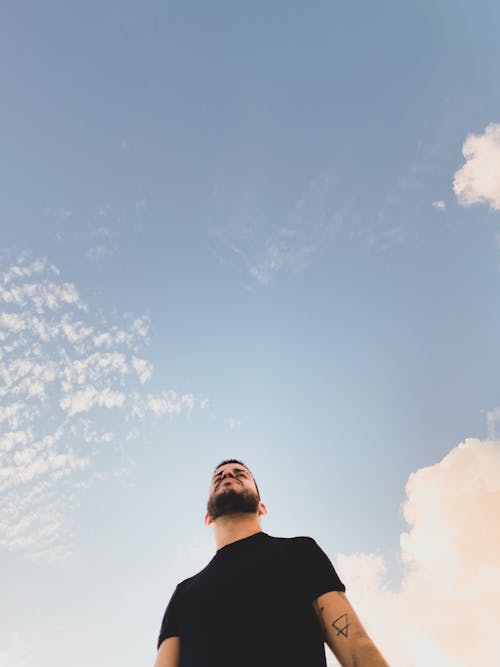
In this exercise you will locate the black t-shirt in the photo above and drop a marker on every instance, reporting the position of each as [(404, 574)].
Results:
[(251, 606)]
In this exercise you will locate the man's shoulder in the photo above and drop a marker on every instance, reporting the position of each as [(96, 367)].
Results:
[(298, 543), (185, 583), (298, 539)]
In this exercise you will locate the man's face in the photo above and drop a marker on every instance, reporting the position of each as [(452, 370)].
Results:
[(232, 491)]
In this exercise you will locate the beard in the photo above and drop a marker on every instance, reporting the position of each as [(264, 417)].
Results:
[(231, 501)]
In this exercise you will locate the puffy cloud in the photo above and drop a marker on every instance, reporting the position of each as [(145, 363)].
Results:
[(11, 439), (8, 412), (61, 368), (446, 611), (478, 181)]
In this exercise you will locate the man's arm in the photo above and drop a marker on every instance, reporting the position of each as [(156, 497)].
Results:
[(169, 653), (344, 633)]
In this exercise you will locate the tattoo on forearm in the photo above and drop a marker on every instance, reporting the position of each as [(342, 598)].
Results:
[(341, 625)]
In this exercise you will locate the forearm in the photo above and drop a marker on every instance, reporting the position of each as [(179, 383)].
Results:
[(366, 654), (358, 652)]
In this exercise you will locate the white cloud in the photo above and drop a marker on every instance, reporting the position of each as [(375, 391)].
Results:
[(75, 331), (85, 399), (478, 181), (11, 439), (8, 412), (61, 369), (43, 296), (139, 329), (28, 270), (100, 253), (143, 368), (440, 205), (447, 609), (165, 403)]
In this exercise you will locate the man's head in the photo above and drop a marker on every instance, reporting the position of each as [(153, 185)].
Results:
[(233, 491)]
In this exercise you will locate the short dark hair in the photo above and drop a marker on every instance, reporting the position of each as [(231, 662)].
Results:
[(223, 463)]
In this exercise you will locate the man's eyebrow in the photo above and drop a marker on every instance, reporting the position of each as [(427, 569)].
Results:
[(218, 474)]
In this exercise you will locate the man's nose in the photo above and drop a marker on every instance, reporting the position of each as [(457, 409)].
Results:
[(227, 473)]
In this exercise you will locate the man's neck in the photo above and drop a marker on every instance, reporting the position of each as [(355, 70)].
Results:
[(234, 527)]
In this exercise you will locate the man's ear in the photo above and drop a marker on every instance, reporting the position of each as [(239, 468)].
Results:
[(208, 519), (262, 509)]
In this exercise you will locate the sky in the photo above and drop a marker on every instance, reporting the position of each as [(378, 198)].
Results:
[(268, 231)]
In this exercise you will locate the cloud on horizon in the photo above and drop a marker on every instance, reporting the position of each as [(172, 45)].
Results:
[(447, 609), (478, 181), (71, 385)]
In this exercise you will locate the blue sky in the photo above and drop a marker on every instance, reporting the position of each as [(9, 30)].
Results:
[(268, 231)]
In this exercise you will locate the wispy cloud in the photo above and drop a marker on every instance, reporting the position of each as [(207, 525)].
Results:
[(69, 383), (388, 224), (102, 232), (100, 253), (267, 244), (98, 234), (61, 212), (165, 403), (231, 423), (478, 181), (451, 555), (269, 240), (439, 204), (493, 423), (103, 237)]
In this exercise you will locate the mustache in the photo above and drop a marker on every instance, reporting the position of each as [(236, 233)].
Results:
[(228, 478)]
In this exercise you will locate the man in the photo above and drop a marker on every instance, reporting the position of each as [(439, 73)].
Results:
[(262, 601)]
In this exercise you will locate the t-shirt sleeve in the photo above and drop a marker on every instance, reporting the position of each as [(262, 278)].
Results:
[(170, 622), (319, 572)]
